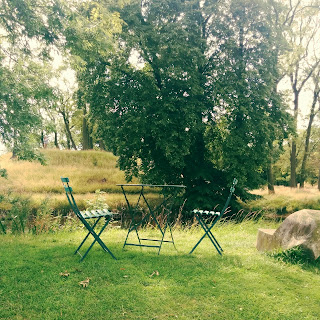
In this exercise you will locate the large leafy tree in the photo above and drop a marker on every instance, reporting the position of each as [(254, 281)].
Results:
[(189, 98)]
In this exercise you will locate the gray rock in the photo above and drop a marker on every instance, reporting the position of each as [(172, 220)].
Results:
[(301, 228)]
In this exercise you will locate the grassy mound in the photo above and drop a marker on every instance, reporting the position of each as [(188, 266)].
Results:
[(87, 170)]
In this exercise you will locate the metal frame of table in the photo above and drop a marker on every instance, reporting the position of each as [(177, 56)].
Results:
[(151, 214)]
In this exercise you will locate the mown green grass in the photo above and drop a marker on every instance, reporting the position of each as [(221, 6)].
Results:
[(242, 284)]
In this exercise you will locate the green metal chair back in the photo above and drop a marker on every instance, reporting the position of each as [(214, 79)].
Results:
[(71, 200)]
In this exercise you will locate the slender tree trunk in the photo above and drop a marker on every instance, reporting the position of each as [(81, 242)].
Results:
[(306, 149), (68, 131), (42, 139), (56, 140), (293, 154), (270, 176), (293, 165), (87, 142), (68, 141), (270, 179), (102, 146), (14, 149)]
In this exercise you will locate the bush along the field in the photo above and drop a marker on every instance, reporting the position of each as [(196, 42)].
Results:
[(14, 213), (296, 255), (19, 215)]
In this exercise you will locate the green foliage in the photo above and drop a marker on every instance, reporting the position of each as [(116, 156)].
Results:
[(296, 256), (23, 19), (19, 214), (3, 173), (16, 218), (98, 202)]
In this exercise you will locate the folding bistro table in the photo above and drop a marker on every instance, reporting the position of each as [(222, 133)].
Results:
[(168, 192)]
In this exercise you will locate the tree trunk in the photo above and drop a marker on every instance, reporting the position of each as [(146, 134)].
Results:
[(68, 141), (306, 149), (68, 131), (14, 149), (102, 146), (56, 140), (293, 165), (270, 179), (293, 154), (42, 139), (319, 180), (87, 142)]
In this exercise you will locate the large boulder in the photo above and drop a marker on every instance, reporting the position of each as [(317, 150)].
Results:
[(301, 228)]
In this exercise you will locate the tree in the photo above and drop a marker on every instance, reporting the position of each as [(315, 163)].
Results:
[(197, 107), (300, 25), (28, 28), (315, 109), (21, 91), (89, 41)]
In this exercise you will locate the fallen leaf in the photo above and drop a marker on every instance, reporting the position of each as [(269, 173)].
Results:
[(125, 276), (84, 283), (65, 274), (154, 273), (122, 268)]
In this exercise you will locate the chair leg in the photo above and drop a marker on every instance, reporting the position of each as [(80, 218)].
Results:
[(209, 234), (97, 239), (86, 237), (212, 238)]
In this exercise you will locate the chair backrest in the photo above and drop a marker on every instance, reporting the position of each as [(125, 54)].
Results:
[(235, 181), (72, 202)]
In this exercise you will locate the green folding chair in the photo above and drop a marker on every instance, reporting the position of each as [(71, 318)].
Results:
[(86, 215), (203, 215)]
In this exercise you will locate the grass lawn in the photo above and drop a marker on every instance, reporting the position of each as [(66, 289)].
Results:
[(242, 284)]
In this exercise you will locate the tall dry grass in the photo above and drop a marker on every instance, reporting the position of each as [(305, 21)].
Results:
[(285, 201), (87, 170)]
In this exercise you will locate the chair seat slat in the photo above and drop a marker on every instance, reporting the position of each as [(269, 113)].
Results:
[(206, 212)]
